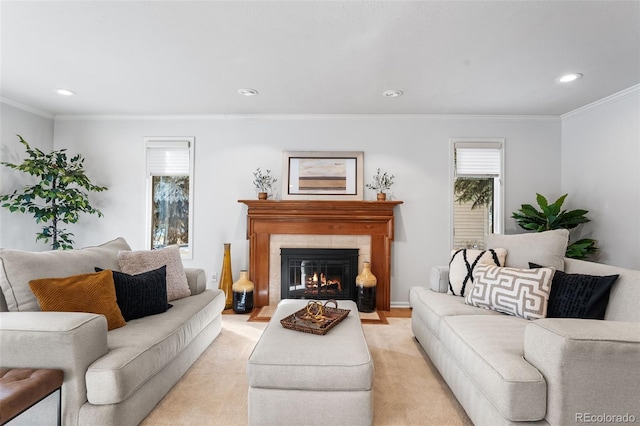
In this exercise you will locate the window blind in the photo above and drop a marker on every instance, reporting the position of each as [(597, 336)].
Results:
[(478, 159), (168, 158)]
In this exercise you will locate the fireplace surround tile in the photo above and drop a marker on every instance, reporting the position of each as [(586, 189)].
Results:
[(278, 241)]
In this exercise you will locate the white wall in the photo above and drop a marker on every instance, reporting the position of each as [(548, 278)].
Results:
[(19, 230), (601, 173), (228, 149)]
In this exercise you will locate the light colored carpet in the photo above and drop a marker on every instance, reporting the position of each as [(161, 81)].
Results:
[(407, 388)]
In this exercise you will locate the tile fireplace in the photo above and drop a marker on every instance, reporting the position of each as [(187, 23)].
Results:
[(323, 218), (318, 273)]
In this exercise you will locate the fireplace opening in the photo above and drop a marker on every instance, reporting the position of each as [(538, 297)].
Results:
[(318, 273)]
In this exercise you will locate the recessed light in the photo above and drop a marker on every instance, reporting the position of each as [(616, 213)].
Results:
[(392, 93), (569, 77), (65, 92), (248, 92)]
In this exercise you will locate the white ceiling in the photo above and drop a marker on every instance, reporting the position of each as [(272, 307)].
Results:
[(316, 57)]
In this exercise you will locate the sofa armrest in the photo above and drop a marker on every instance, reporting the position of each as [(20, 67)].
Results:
[(591, 367), (197, 280), (440, 279), (69, 341)]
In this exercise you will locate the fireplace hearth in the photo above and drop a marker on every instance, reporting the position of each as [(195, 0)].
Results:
[(325, 273)]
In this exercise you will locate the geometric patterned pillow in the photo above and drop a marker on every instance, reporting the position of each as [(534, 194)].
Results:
[(464, 261), (520, 292)]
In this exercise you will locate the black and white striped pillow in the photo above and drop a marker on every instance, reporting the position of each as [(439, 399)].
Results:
[(463, 262)]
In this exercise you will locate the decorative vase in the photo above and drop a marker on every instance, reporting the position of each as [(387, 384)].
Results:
[(226, 278), (366, 289), (262, 195), (243, 294), (382, 196)]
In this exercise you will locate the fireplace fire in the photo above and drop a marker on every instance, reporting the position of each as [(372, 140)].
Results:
[(318, 273)]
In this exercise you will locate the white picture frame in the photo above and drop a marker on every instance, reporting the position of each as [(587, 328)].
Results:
[(322, 175)]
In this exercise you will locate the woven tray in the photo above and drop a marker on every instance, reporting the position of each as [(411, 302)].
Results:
[(308, 321)]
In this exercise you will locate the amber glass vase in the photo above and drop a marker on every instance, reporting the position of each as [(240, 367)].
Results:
[(366, 289), (226, 277)]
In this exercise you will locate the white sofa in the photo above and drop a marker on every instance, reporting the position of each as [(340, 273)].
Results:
[(110, 377), (507, 370)]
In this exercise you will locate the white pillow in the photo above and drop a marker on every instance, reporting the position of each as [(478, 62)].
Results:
[(463, 262), (138, 262), (520, 292), (546, 248)]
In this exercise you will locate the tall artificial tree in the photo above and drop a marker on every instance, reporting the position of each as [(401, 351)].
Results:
[(58, 197)]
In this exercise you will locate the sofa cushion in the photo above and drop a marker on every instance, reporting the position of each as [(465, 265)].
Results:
[(464, 261), (92, 293), (513, 291), (546, 248), (432, 306), (19, 267), (490, 350), (141, 295), (138, 262), (579, 295), (146, 345)]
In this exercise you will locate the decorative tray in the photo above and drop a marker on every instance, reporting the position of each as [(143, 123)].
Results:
[(315, 318)]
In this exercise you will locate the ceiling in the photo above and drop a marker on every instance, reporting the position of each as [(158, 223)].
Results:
[(316, 57)]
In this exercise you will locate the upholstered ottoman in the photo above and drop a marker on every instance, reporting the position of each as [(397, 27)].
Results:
[(299, 378)]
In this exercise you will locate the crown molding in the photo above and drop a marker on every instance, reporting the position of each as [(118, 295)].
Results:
[(303, 117), (27, 108), (129, 117), (602, 102)]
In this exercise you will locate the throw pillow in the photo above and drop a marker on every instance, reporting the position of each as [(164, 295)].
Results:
[(141, 295), (19, 267), (545, 248), (94, 293), (138, 262), (579, 295), (520, 292), (463, 262)]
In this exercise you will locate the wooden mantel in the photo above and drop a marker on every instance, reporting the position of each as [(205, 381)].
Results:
[(320, 217)]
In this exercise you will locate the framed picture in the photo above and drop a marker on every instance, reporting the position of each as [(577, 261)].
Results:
[(323, 175)]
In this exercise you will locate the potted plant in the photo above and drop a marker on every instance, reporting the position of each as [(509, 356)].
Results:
[(382, 181), (551, 216), (263, 183), (58, 197)]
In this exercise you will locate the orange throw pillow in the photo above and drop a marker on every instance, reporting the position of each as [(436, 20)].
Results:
[(93, 293)]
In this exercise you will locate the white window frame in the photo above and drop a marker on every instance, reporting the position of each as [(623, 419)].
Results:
[(481, 143), (158, 142)]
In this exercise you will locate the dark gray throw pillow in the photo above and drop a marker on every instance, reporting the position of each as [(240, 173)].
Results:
[(578, 295), (141, 295)]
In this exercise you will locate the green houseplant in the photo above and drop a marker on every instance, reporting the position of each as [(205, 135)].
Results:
[(59, 195), (381, 182), (263, 183), (551, 216)]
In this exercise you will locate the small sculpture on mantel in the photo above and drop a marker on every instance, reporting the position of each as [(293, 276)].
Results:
[(263, 183), (381, 182)]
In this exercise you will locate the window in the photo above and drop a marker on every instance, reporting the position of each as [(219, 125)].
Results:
[(477, 188), (170, 193)]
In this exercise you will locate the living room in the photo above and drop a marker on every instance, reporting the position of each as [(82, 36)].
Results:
[(580, 138)]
